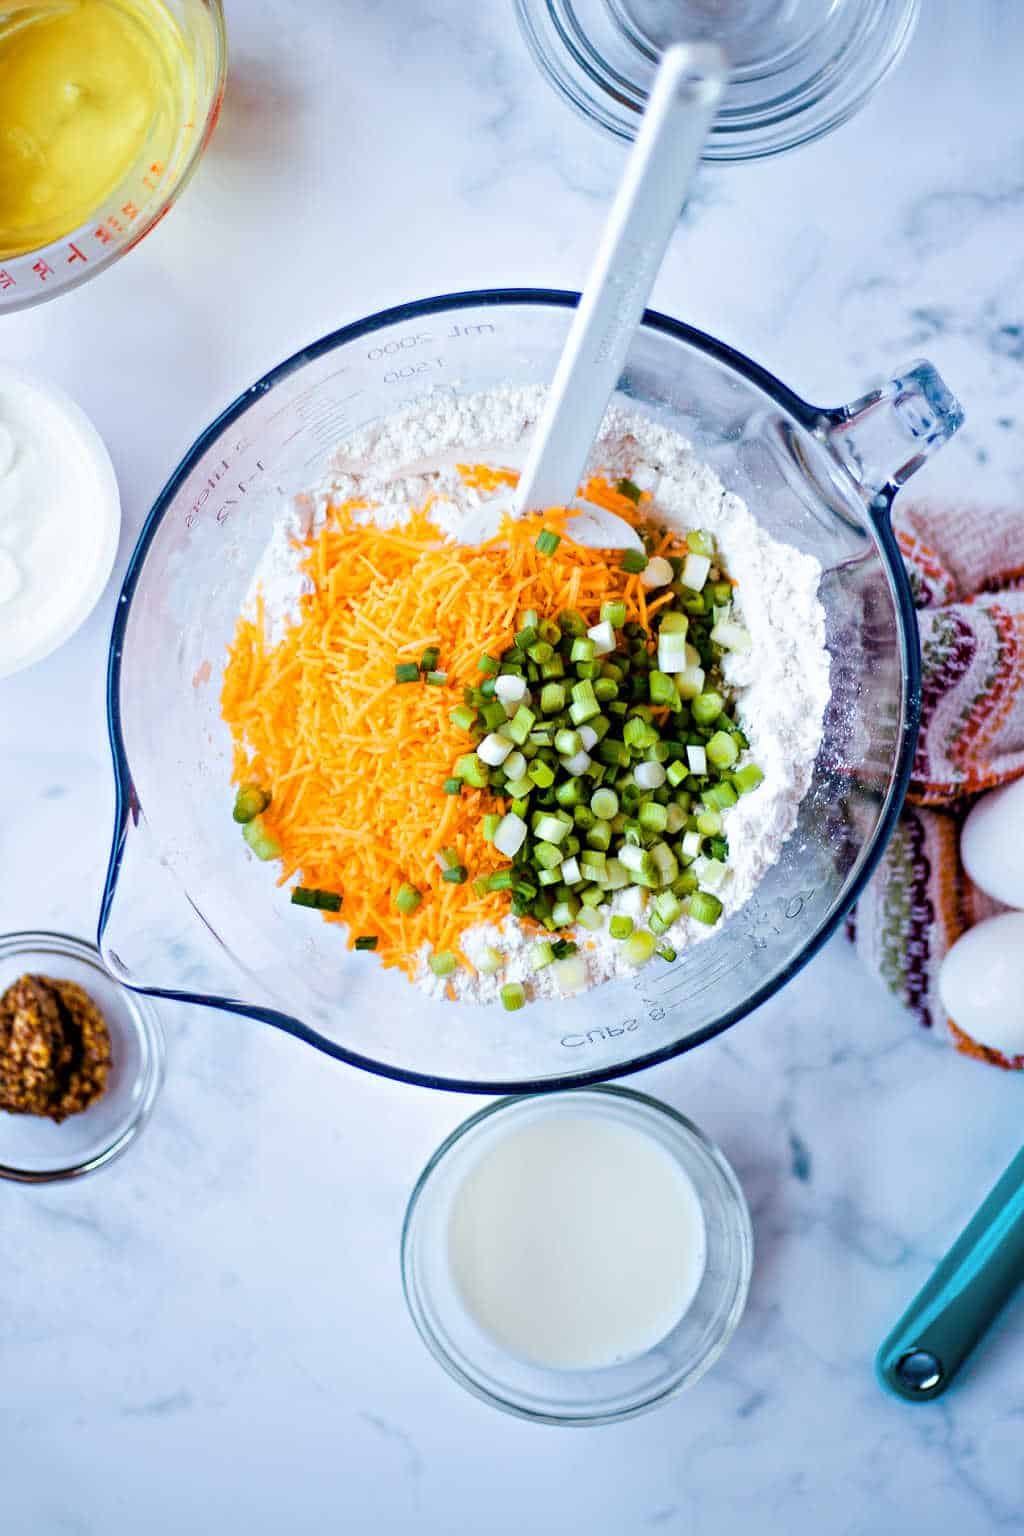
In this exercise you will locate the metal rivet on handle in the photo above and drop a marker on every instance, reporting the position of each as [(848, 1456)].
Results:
[(919, 1370)]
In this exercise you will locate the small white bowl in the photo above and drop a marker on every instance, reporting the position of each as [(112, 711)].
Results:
[(94, 460)]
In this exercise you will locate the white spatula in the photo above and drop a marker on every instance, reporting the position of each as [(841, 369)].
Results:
[(646, 209)]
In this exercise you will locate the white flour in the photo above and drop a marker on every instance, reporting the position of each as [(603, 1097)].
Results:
[(782, 683)]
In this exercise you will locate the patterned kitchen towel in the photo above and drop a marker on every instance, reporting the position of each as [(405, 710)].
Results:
[(966, 569)]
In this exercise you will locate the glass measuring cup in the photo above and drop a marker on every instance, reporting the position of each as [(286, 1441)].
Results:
[(188, 914), (176, 139)]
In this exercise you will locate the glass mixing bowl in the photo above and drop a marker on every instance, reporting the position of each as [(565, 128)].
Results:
[(188, 914), (176, 139)]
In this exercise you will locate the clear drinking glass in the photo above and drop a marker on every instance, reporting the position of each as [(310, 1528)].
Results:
[(187, 913), (176, 140)]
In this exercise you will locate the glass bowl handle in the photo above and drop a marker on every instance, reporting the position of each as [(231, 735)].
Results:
[(884, 437)]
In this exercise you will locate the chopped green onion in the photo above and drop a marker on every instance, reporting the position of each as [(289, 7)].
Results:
[(548, 542), (512, 996), (249, 802), (463, 716), (458, 874), (666, 952), (583, 649), (472, 770), (604, 803), (699, 542), (722, 750), (487, 664), (747, 778), (704, 907), (542, 954), (613, 613), (634, 561), (453, 786), (489, 960), (260, 841), (627, 488), (408, 898), (620, 926), (309, 896), (695, 571), (366, 941), (639, 947), (707, 707), (443, 962), (552, 698), (407, 672), (430, 658)]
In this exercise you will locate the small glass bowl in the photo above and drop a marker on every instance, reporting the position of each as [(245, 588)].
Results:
[(799, 67), (36, 1151), (577, 1397), (162, 170)]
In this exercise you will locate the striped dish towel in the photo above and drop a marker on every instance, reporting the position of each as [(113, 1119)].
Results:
[(966, 569)]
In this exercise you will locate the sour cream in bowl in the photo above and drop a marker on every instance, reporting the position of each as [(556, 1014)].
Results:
[(60, 516)]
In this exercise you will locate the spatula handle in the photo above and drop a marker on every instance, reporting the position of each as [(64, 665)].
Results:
[(954, 1307), (646, 210)]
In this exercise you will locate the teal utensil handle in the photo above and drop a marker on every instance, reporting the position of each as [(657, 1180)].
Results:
[(954, 1307)]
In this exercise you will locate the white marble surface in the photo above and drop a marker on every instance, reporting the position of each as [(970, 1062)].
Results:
[(210, 1336)]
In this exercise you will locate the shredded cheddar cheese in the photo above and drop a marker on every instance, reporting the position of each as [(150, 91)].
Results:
[(354, 761)]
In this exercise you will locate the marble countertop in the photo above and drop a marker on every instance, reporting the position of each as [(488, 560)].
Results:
[(210, 1334)]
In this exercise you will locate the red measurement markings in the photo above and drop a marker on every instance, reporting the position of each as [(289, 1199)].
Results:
[(130, 211), (76, 254), (42, 269), (6, 281), (151, 180)]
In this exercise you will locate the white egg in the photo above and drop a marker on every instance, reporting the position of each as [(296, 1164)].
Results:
[(992, 844), (981, 983)]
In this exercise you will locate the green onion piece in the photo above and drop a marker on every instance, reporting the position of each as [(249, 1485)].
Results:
[(527, 636), (519, 788), (590, 918), (520, 726), (707, 707), (552, 698), (662, 688), (458, 874), (666, 952), (407, 672), (541, 774), (542, 954), (249, 802), (565, 912), (366, 941), (430, 658), (512, 996), (704, 907), (443, 962), (695, 571), (722, 750), (487, 664), (308, 896), (653, 817), (436, 679), (464, 716), (699, 542), (471, 770), (568, 743), (489, 960), (453, 786), (676, 772), (490, 825), (501, 880), (627, 488), (408, 898), (260, 841), (571, 623), (584, 703), (548, 542), (639, 947), (447, 858), (634, 561), (620, 926), (668, 907), (493, 714), (583, 649), (481, 885), (613, 613), (604, 803), (747, 778), (541, 652), (719, 796)]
